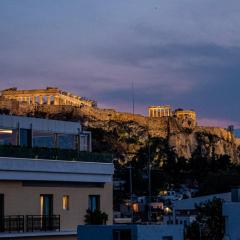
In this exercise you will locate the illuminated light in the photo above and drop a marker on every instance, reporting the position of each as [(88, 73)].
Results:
[(168, 210), (135, 207), (6, 131), (41, 204), (65, 201)]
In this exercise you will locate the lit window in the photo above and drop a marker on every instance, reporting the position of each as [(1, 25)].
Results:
[(65, 202)]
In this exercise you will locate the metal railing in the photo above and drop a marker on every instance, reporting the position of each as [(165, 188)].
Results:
[(53, 154), (12, 223), (42, 223)]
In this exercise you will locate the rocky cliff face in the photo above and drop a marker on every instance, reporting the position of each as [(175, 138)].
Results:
[(124, 132)]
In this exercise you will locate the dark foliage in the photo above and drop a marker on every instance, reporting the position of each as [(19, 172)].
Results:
[(96, 218), (209, 223)]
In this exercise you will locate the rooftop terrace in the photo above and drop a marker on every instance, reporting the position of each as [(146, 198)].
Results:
[(53, 154)]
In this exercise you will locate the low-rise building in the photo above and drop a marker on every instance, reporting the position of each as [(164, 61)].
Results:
[(184, 211), (131, 232), (231, 213), (49, 178)]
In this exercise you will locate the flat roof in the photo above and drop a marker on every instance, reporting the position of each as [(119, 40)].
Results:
[(39, 124)]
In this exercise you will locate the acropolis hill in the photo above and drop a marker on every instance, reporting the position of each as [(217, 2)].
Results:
[(125, 133)]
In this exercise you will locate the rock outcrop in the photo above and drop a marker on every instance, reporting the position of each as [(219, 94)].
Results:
[(131, 132)]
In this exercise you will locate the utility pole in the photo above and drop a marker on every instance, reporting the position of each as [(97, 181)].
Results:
[(133, 99), (131, 190), (149, 183)]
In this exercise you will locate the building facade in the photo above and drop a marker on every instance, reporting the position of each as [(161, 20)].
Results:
[(184, 211), (231, 213), (49, 178), (48, 96)]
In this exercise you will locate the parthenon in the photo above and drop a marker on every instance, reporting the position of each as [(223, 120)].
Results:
[(48, 96)]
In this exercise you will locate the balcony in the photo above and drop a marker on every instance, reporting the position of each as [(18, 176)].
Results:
[(53, 154), (29, 223), (42, 223), (13, 223)]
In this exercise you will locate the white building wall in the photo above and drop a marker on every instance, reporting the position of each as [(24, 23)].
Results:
[(54, 170), (157, 232), (231, 212)]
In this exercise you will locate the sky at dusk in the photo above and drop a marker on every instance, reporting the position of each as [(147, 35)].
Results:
[(180, 52)]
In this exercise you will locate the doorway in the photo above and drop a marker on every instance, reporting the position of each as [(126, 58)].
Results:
[(46, 201)]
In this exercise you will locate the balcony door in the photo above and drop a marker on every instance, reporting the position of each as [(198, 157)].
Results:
[(46, 201), (1, 212)]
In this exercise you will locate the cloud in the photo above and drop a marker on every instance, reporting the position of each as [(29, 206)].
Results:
[(184, 53), (224, 123)]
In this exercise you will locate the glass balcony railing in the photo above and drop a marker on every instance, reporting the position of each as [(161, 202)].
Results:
[(53, 154)]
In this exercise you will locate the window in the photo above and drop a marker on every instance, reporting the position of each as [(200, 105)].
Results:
[(122, 234), (43, 139), (25, 137), (46, 204), (67, 141), (65, 202), (94, 202), (167, 238), (84, 142)]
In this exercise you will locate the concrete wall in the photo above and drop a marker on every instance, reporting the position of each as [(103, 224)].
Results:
[(25, 200)]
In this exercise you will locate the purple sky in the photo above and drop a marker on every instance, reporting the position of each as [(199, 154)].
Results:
[(180, 52)]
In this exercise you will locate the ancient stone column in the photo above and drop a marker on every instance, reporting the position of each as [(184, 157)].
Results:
[(48, 100), (40, 100), (56, 100)]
